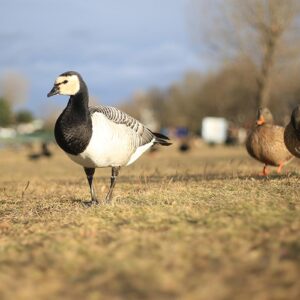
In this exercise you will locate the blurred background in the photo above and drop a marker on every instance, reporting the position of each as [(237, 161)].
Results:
[(190, 221), (184, 67)]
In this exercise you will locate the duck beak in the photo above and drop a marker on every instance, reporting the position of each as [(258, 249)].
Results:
[(260, 121), (54, 91)]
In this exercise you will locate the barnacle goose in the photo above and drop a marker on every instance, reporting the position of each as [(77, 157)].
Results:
[(98, 137)]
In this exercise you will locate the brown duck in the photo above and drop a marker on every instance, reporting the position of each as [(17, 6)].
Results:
[(292, 133), (265, 142)]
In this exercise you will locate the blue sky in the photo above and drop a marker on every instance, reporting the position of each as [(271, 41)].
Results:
[(118, 46)]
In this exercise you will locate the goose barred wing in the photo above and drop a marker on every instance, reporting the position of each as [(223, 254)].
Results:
[(143, 134)]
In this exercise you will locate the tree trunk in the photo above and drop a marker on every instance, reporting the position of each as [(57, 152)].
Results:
[(272, 35), (263, 90)]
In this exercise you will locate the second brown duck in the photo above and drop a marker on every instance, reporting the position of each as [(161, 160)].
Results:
[(292, 133), (265, 142)]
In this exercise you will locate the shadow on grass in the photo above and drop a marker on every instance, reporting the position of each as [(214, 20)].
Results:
[(185, 178), (84, 203), (189, 178), (208, 177)]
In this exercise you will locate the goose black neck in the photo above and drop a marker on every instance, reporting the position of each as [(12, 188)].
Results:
[(79, 103), (73, 128)]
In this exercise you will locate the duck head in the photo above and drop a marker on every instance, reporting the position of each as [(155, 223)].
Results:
[(295, 118), (264, 116), (68, 83)]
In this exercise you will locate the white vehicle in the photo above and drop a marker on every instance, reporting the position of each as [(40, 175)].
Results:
[(214, 130)]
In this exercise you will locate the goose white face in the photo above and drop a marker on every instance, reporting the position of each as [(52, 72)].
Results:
[(67, 85)]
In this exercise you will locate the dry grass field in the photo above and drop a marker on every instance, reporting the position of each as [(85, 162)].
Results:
[(200, 225)]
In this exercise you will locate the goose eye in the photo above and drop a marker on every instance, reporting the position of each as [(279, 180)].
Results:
[(65, 81)]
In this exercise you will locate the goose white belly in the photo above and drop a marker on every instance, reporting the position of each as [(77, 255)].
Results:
[(111, 145)]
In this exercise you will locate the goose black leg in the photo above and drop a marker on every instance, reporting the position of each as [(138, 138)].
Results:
[(114, 174), (90, 176)]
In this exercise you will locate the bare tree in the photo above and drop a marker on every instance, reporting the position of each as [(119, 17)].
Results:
[(265, 31), (14, 88)]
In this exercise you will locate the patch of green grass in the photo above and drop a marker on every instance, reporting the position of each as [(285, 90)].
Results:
[(200, 225)]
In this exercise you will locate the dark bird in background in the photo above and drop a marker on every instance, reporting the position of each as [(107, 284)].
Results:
[(44, 152)]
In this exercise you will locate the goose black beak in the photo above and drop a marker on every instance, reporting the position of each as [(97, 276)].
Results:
[(54, 91)]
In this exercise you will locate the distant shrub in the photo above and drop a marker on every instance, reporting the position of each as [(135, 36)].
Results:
[(6, 114), (24, 116)]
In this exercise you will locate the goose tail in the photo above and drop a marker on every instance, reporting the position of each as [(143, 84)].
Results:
[(161, 139)]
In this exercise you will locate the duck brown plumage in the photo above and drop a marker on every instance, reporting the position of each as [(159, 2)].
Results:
[(292, 133), (265, 142)]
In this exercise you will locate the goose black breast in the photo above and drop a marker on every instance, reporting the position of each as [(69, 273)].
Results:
[(71, 134)]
